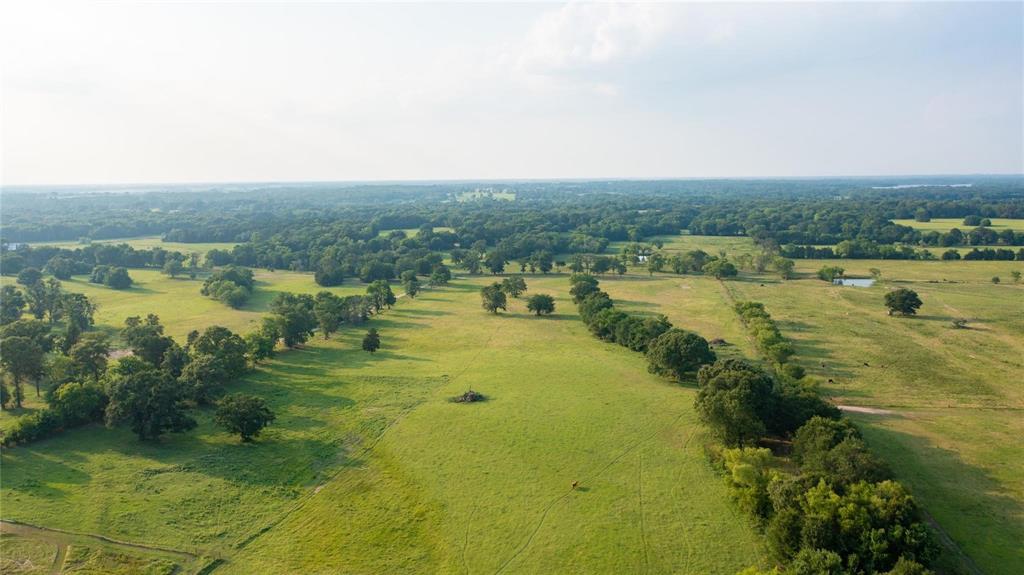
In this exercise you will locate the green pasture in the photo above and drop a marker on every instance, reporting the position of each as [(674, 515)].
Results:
[(481, 195), (147, 242), (413, 232), (953, 436), (957, 403), (180, 305), (370, 469), (946, 224)]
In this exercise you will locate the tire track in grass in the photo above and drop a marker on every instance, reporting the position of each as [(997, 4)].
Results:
[(363, 453), (687, 543), (586, 479), (313, 492), (62, 537), (640, 496), (465, 540), (58, 558)]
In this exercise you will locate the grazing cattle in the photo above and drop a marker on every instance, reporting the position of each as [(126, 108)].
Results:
[(575, 484), (866, 364), (830, 380)]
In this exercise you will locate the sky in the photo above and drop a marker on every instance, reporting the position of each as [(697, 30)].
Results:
[(119, 92)]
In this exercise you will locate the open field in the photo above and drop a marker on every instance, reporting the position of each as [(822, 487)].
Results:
[(946, 224), (486, 194), (959, 412), (25, 549), (413, 232), (368, 454), (180, 305), (960, 409), (359, 460), (147, 242)]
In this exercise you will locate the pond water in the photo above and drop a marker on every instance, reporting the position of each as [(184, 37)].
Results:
[(856, 282)]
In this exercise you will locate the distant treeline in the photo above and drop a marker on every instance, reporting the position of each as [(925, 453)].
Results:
[(869, 250), (355, 231)]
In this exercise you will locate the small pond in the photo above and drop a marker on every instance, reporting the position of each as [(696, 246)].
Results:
[(855, 282)]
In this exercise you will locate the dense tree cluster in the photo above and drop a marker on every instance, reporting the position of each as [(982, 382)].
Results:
[(62, 263), (231, 285), (45, 299), (110, 276)]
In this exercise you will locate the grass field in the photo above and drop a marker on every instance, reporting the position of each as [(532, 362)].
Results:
[(483, 194), (957, 403), (946, 224), (368, 454), (180, 305), (413, 232), (369, 469), (953, 436), (147, 242)]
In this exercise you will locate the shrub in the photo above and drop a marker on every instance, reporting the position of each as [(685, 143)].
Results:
[(830, 273), (77, 403), (38, 425)]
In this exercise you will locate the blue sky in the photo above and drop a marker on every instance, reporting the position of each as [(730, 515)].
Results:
[(166, 92)]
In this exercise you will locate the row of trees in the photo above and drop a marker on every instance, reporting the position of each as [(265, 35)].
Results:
[(868, 250), (670, 351), (768, 338), (839, 512), (806, 515), (62, 263)]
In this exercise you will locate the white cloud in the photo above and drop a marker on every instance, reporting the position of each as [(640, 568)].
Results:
[(582, 36)]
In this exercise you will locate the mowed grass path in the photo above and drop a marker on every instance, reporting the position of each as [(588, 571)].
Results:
[(954, 438), (370, 469)]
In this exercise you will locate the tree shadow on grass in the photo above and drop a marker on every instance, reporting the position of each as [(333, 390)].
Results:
[(362, 358), (417, 312), (547, 317), (634, 303), (974, 508), (944, 318), (28, 470)]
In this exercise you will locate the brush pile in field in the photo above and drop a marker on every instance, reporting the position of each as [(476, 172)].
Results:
[(468, 397)]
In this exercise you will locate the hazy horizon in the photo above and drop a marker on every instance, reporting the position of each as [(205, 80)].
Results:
[(913, 179), (161, 93)]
